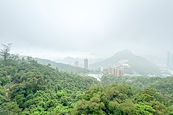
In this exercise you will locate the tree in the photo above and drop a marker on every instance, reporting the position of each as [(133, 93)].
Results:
[(4, 53), (143, 109)]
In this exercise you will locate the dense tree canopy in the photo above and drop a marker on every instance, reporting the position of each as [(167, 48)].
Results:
[(4, 53), (29, 88), (121, 100)]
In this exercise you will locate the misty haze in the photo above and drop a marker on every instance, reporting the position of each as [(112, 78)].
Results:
[(94, 57)]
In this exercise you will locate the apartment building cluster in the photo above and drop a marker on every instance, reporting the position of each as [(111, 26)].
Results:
[(116, 71)]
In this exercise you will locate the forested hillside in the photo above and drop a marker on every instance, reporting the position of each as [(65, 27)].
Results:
[(61, 66), (29, 88), (134, 64)]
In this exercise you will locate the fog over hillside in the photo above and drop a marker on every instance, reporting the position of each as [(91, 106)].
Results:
[(86, 57), (94, 29)]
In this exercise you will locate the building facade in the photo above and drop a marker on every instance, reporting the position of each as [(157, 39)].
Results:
[(116, 71), (86, 63), (76, 63), (169, 62)]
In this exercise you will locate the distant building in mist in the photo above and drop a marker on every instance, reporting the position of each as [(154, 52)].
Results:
[(116, 71), (76, 63), (168, 59), (86, 63), (101, 69), (172, 60), (169, 62)]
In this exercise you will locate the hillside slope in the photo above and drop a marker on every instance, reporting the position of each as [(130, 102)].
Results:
[(131, 63), (62, 67), (29, 88)]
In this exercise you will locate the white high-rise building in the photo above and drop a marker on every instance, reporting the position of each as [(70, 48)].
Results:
[(76, 63), (86, 63)]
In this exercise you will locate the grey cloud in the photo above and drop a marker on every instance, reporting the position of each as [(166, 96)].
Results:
[(97, 26)]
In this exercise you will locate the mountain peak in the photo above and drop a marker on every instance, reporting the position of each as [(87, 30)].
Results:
[(125, 52), (136, 64)]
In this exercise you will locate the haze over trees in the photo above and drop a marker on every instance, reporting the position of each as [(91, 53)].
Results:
[(130, 62), (30, 88), (82, 36), (4, 53)]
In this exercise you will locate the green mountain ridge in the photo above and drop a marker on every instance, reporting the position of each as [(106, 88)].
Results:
[(61, 66), (30, 88), (137, 64)]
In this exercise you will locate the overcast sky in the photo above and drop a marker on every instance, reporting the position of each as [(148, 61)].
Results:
[(86, 28)]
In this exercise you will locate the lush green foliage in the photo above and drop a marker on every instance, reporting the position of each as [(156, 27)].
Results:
[(121, 100), (163, 85), (29, 88)]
